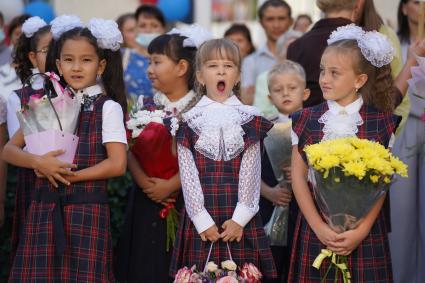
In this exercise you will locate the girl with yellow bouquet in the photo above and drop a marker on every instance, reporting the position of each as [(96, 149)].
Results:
[(359, 103)]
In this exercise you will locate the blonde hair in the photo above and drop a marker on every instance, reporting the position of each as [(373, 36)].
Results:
[(287, 66), (217, 49), (378, 91), (327, 6)]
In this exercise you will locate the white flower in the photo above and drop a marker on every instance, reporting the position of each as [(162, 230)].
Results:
[(136, 132), (140, 102), (32, 25), (347, 32), (212, 267), (131, 124), (107, 33), (376, 48), (63, 24), (196, 35), (229, 265), (157, 120)]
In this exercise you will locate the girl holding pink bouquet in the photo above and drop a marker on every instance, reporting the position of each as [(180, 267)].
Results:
[(67, 235), (359, 103), (219, 156), (153, 162)]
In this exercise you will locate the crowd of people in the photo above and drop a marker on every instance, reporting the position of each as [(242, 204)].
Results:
[(204, 182)]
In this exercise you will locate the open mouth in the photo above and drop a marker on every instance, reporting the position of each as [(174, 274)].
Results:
[(77, 77), (221, 86)]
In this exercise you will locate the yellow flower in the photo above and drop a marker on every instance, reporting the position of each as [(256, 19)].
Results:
[(357, 169), (374, 178), (399, 167), (357, 157), (387, 180)]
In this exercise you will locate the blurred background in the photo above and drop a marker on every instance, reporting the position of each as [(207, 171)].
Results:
[(217, 15)]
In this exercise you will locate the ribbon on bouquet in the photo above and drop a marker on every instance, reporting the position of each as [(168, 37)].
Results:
[(209, 255), (325, 253)]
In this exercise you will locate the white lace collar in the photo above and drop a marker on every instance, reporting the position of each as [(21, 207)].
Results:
[(173, 106), (90, 91), (341, 121), (218, 126)]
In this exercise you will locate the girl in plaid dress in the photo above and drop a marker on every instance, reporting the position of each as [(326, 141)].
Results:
[(218, 147), (30, 58), (67, 235), (171, 70), (359, 103)]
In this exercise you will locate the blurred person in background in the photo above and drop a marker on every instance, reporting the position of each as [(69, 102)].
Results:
[(9, 81), (127, 26), (308, 49), (406, 194), (5, 52), (275, 17), (150, 23), (240, 34), (303, 23)]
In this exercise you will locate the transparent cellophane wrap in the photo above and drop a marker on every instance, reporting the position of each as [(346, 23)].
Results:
[(344, 200), (50, 124), (278, 147)]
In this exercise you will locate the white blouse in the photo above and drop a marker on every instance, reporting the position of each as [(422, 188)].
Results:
[(219, 127), (113, 129), (339, 121)]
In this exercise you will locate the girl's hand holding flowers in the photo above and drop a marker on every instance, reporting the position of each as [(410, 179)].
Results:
[(232, 231), (348, 241), (326, 235), (159, 190), (54, 169), (211, 234)]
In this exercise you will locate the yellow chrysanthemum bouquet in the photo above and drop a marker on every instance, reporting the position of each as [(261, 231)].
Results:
[(348, 176)]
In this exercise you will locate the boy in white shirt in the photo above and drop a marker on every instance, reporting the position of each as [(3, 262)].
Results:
[(287, 91)]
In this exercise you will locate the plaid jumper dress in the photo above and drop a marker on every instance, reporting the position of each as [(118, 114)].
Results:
[(67, 234), (371, 260), (219, 181), (24, 187)]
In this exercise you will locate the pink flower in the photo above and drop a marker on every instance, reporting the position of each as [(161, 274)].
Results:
[(423, 117), (250, 273), (183, 275), (227, 279)]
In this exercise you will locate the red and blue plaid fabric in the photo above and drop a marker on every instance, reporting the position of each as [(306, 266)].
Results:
[(24, 185), (219, 181), (88, 250), (371, 261)]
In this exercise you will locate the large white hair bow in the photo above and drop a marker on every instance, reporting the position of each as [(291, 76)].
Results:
[(375, 47), (196, 35), (106, 32), (32, 25), (63, 24)]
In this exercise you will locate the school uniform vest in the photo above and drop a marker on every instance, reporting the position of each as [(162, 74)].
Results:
[(67, 234)]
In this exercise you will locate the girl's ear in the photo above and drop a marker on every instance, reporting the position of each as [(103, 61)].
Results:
[(360, 81), (58, 65), (31, 57), (102, 67), (200, 78), (182, 67), (306, 94)]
